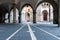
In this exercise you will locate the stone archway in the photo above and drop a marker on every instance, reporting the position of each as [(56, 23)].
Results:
[(3, 11), (27, 14), (44, 13), (12, 16), (55, 9), (6, 18)]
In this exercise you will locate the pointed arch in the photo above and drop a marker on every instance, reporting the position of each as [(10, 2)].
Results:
[(55, 9), (27, 13)]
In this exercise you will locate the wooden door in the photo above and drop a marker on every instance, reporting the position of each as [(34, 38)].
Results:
[(45, 16)]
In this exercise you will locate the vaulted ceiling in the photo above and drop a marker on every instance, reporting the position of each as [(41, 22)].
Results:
[(20, 3)]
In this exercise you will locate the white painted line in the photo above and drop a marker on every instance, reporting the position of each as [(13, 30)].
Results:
[(29, 31), (15, 32), (33, 37), (47, 32)]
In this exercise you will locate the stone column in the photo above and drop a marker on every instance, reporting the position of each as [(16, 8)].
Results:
[(9, 16), (34, 16), (59, 15), (55, 15), (49, 13), (19, 16), (14, 13), (3, 18)]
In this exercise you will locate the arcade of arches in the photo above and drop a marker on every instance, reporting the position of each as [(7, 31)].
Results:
[(37, 12)]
